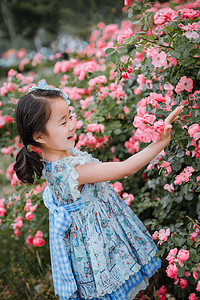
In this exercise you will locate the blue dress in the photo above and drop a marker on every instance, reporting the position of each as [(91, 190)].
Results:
[(111, 252)]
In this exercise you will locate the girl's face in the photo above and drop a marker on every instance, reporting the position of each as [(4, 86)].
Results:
[(60, 131)]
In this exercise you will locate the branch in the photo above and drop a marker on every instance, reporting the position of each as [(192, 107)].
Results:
[(193, 222)]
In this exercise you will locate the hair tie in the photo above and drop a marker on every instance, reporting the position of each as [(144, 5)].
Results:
[(43, 86)]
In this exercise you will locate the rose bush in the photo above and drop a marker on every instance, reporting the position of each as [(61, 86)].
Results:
[(121, 87)]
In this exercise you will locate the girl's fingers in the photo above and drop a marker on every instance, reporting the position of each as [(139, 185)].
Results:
[(174, 115)]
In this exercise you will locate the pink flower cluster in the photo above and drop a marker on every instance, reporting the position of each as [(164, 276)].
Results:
[(117, 186), (36, 241), (30, 208), (184, 176), (126, 75), (18, 224), (166, 166), (162, 235), (64, 66), (2, 207), (7, 150), (164, 15), (95, 127), (92, 141), (127, 198), (148, 128), (11, 175), (161, 293), (191, 30), (133, 144), (124, 35), (160, 59), (169, 187), (194, 132), (194, 235), (97, 80), (85, 67)]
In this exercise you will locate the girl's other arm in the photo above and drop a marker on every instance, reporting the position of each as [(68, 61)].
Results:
[(91, 173)]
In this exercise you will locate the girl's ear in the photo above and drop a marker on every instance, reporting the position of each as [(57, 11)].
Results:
[(39, 137)]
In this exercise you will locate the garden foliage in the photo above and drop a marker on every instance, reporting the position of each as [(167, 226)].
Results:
[(121, 87)]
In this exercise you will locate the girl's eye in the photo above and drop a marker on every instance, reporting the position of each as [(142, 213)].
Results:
[(63, 123), (71, 117)]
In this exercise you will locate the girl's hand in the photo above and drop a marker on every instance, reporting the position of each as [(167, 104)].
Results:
[(173, 116)]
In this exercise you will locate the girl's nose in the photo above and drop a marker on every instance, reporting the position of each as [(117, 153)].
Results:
[(72, 125)]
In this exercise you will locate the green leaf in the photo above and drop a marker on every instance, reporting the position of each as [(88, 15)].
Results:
[(176, 54), (189, 196), (160, 253), (193, 255), (122, 50), (117, 131), (115, 58), (110, 51), (188, 160), (181, 272), (176, 165), (178, 241), (133, 53)]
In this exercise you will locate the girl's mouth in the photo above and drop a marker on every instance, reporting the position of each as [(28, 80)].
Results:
[(72, 137)]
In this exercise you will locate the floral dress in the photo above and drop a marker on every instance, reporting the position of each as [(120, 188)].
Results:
[(111, 253)]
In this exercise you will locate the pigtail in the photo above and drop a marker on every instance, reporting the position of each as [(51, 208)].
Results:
[(28, 165)]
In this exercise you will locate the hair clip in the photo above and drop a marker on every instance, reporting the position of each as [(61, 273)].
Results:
[(43, 86)]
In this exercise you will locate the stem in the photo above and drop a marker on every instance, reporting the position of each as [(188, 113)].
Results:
[(193, 222), (154, 42), (150, 28)]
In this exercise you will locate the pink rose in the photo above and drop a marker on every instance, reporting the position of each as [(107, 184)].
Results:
[(159, 126), (183, 283), (29, 216), (162, 290), (195, 274), (149, 119), (29, 240), (38, 242), (117, 186), (184, 84), (193, 129), (57, 67), (183, 255), (171, 255), (192, 297), (198, 286), (163, 235), (155, 235), (2, 211), (39, 234), (127, 2), (172, 270)]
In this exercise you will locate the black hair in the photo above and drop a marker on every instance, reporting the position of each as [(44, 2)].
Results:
[(32, 112)]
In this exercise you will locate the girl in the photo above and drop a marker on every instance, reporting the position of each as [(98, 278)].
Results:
[(99, 248)]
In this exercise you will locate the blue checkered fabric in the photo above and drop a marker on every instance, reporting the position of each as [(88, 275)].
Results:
[(59, 221), (121, 293)]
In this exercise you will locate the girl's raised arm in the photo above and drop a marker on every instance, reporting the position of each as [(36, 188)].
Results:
[(91, 173)]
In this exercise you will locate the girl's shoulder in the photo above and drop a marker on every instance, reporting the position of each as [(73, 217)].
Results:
[(78, 157)]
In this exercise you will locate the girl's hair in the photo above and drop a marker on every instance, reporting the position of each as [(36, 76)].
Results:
[(31, 115)]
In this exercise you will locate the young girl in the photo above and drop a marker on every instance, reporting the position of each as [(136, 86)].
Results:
[(99, 248)]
